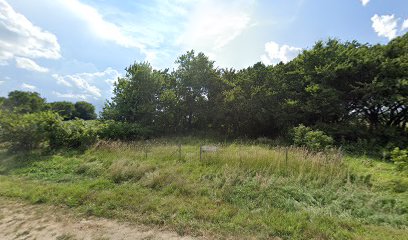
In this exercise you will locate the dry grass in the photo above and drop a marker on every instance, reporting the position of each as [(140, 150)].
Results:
[(284, 161)]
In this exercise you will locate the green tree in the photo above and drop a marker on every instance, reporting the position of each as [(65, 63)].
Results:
[(65, 109), (24, 102), (136, 96), (2, 101), (383, 101), (84, 110), (199, 87)]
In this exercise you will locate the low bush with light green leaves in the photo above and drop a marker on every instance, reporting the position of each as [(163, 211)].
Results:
[(75, 134), (400, 158), (315, 140)]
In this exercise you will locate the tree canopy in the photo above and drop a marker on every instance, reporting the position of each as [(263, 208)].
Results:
[(22, 102), (350, 89)]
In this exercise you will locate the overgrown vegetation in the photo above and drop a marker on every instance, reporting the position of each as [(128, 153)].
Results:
[(353, 92), (286, 177), (400, 158), (241, 190), (20, 102), (28, 131), (313, 140)]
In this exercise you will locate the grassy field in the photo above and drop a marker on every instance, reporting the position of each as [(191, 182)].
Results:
[(241, 190)]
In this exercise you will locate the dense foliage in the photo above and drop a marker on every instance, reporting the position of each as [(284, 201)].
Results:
[(346, 92), (28, 131), (22, 102), (352, 91), (400, 158), (75, 134), (116, 130), (84, 110), (312, 139), (28, 122)]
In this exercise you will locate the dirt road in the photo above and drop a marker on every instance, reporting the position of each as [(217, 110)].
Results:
[(22, 221)]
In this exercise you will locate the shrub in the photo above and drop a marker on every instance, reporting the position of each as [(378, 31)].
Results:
[(113, 130), (312, 139), (78, 134), (400, 158), (25, 132)]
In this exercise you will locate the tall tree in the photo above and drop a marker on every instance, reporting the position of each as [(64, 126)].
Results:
[(136, 95), (84, 110), (24, 102), (198, 85), (64, 108)]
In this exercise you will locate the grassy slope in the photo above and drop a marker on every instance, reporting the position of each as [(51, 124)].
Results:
[(241, 190)]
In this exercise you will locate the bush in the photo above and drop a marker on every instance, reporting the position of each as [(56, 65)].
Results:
[(78, 134), (113, 130), (400, 158), (26, 132), (312, 139)]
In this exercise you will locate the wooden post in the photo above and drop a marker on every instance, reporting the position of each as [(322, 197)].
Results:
[(286, 159), (179, 150), (200, 151)]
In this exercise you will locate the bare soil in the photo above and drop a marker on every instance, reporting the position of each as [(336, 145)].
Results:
[(22, 221)]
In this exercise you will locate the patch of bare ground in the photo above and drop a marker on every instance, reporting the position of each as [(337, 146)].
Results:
[(22, 221)]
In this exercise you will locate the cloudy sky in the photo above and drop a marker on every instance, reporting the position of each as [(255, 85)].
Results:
[(75, 49)]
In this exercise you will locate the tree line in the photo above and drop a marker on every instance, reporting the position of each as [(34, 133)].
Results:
[(353, 91), (22, 102)]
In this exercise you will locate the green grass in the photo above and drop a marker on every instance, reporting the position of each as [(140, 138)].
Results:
[(240, 191)]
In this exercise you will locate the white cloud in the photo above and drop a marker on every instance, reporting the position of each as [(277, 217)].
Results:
[(19, 37), (385, 25), (1, 82), (99, 26), (70, 95), (364, 2), (211, 25), (30, 65), (28, 86), (404, 25), (61, 80), (162, 29), (96, 85), (276, 53)]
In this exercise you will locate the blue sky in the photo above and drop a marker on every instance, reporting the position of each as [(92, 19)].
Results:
[(75, 49)]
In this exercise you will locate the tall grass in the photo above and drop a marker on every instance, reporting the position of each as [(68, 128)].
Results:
[(283, 161), (242, 190), (291, 162)]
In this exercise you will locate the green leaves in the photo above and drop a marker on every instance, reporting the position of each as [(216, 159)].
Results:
[(24, 102), (312, 139), (333, 84), (27, 131), (400, 158)]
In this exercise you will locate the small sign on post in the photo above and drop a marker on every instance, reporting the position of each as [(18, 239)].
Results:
[(207, 149)]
